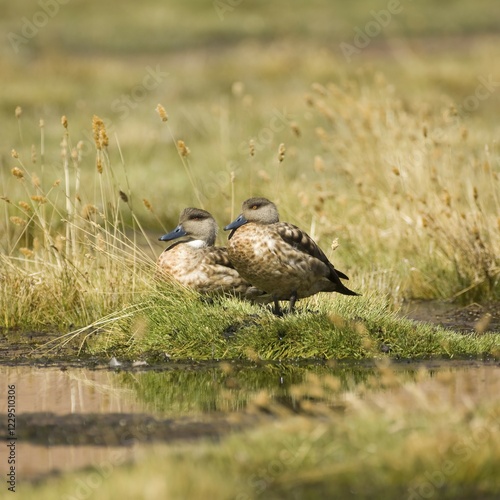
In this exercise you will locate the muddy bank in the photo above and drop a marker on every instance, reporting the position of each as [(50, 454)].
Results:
[(473, 318), (115, 429)]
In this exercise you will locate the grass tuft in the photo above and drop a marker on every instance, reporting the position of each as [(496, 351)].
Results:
[(174, 323)]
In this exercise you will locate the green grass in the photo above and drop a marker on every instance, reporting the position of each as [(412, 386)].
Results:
[(176, 324)]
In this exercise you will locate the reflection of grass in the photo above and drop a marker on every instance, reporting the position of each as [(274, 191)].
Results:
[(229, 386), (433, 437)]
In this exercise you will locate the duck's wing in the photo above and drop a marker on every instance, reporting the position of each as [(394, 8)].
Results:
[(217, 256), (301, 241)]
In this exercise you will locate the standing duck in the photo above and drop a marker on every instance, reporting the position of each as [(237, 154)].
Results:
[(278, 257)]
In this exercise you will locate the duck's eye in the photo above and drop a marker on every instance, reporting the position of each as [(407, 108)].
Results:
[(254, 207)]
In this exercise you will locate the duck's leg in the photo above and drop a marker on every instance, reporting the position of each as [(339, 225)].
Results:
[(277, 309), (293, 299)]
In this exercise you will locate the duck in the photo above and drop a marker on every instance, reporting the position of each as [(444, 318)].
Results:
[(279, 258), (194, 261)]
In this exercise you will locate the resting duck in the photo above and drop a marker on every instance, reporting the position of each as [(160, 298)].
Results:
[(194, 261)]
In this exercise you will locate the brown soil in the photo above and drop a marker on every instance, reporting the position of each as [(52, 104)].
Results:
[(467, 319), (117, 429)]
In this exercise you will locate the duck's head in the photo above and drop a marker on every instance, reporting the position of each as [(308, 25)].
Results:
[(195, 226), (257, 210)]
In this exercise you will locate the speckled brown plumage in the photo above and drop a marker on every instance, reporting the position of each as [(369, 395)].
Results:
[(279, 258)]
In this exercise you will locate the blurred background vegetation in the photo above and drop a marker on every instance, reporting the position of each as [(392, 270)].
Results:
[(228, 71), (81, 58)]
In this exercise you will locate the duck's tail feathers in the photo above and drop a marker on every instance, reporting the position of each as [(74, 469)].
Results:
[(345, 291)]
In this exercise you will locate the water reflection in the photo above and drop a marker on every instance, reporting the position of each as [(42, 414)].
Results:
[(76, 390), (183, 400), (227, 387)]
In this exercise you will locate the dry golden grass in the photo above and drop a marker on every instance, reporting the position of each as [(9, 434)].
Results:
[(71, 260), (417, 192), (397, 169), (407, 190)]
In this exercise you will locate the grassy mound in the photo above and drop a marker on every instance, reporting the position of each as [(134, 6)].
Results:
[(173, 323)]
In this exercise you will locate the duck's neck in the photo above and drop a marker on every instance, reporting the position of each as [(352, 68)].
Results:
[(197, 243)]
